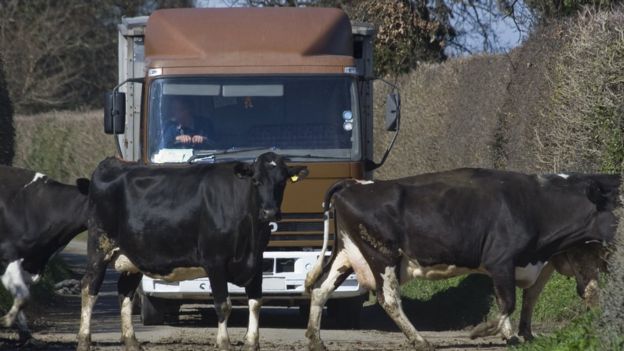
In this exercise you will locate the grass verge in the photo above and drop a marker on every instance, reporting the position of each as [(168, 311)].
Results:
[(579, 335), (470, 301)]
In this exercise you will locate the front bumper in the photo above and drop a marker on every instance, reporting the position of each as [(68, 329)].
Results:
[(284, 275)]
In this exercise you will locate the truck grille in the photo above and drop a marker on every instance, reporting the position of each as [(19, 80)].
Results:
[(271, 266), (297, 231)]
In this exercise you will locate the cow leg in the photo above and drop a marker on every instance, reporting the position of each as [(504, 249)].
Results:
[(254, 295), (529, 299), (389, 297), (126, 286), (16, 282), (339, 270), (223, 305), (22, 327), (99, 257), (505, 289)]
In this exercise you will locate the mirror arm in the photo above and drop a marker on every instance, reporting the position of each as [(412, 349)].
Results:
[(370, 165), (129, 80)]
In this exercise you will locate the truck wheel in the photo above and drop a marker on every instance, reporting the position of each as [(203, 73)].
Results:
[(346, 312), (136, 301), (304, 311), (136, 304), (172, 311), (152, 310)]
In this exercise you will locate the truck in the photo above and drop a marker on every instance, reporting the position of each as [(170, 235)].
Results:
[(295, 81)]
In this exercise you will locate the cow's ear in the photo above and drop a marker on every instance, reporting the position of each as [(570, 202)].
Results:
[(243, 170), (297, 173), (604, 199), (83, 185)]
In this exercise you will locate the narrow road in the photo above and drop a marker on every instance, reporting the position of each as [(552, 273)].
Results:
[(55, 326)]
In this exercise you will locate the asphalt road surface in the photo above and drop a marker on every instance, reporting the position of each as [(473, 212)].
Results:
[(55, 326)]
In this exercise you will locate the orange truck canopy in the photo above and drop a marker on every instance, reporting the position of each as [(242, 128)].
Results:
[(249, 40)]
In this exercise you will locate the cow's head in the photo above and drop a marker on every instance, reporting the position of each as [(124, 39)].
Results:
[(269, 174), (600, 189), (595, 196)]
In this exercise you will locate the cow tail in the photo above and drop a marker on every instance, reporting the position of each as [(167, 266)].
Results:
[(316, 271)]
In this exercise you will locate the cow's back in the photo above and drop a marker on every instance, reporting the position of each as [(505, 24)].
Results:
[(13, 180), (441, 217), (131, 191)]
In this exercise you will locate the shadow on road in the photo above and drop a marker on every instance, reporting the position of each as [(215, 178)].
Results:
[(447, 310)]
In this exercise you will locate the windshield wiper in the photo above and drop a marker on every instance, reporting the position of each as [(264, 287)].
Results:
[(211, 155), (201, 155), (314, 156)]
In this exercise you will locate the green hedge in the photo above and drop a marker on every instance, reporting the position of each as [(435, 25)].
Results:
[(62, 144)]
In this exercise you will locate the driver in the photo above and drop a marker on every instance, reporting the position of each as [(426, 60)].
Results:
[(183, 128)]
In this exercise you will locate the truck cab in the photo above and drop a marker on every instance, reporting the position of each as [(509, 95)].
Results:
[(217, 85)]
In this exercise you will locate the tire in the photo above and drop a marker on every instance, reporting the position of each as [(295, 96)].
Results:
[(346, 312), (136, 305), (304, 311), (136, 301), (152, 310)]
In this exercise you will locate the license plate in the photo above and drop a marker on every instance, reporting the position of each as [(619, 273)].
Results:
[(195, 285), (268, 284), (273, 284)]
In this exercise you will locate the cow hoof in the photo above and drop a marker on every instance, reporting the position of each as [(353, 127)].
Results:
[(251, 347), (486, 328), (84, 344), (6, 321), (224, 347), (512, 341), (527, 336), (316, 345), (132, 344), (422, 346), (30, 343), (25, 337)]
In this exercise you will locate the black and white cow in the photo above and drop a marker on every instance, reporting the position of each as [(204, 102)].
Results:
[(178, 223), (38, 217), (435, 226)]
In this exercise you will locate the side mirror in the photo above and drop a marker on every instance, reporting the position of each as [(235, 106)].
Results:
[(115, 112), (392, 124), (393, 111)]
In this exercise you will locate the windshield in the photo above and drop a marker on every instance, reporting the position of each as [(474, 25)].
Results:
[(306, 117)]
